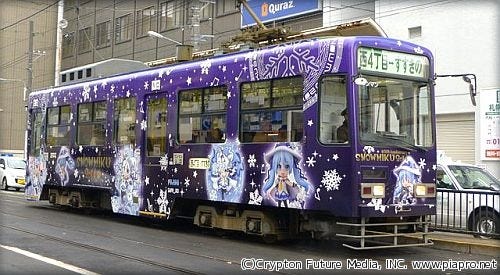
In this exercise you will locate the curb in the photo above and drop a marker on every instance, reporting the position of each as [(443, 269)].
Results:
[(465, 247), (462, 244)]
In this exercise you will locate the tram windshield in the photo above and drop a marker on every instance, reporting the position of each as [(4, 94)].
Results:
[(395, 113)]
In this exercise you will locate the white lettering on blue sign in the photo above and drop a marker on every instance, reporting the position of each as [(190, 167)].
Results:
[(274, 8)]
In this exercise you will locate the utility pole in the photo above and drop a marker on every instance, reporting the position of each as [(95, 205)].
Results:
[(29, 69)]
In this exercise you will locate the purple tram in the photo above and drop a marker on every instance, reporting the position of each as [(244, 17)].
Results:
[(330, 136)]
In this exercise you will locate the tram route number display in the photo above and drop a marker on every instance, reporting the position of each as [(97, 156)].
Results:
[(396, 63)]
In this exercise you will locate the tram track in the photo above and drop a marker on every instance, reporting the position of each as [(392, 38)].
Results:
[(63, 226), (106, 251)]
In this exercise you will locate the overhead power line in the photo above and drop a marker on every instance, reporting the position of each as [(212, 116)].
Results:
[(21, 20)]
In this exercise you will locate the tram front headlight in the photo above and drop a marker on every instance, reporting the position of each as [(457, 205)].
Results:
[(372, 190), (425, 190)]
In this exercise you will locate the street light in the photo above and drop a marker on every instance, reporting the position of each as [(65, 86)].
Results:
[(157, 35), (17, 80), (184, 52)]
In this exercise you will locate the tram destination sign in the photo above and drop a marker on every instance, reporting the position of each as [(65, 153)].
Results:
[(390, 62)]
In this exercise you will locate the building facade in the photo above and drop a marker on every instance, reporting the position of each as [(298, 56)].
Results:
[(22, 51)]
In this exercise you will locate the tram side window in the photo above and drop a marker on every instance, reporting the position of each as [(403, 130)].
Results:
[(92, 123), (202, 115), (156, 133), (36, 132), (124, 121), (58, 125), (271, 111), (333, 126)]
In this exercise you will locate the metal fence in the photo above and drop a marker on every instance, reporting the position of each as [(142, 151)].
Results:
[(472, 212)]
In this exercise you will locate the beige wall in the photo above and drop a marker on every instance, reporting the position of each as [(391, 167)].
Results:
[(14, 61)]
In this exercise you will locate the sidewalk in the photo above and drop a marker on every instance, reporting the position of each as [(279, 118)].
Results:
[(464, 243)]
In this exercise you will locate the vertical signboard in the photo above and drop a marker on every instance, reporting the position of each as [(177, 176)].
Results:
[(272, 10), (490, 124)]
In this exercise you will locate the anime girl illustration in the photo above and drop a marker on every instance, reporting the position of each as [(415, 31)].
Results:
[(224, 174), (285, 183), (64, 165), (407, 175), (126, 195), (37, 174)]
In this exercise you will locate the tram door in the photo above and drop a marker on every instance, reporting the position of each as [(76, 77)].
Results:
[(156, 155)]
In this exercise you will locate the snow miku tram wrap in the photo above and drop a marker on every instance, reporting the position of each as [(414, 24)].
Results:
[(330, 136)]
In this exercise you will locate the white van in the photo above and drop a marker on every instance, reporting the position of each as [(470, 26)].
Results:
[(468, 197), (12, 172)]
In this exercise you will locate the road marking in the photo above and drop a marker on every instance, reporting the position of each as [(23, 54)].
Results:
[(49, 260)]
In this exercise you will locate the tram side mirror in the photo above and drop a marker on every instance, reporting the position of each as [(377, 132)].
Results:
[(472, 88)]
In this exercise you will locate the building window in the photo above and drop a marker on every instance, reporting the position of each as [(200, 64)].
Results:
[(415, 32), (123, 28), (202, 115), (226, 6), (144, 21), (68, 44), (58, 125), (124, 121), (171, 14), (91, 123), (84, 40), (206, 12), (103, 34), (271, 111)]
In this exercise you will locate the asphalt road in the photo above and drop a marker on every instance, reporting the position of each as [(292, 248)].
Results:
[(38, 238)]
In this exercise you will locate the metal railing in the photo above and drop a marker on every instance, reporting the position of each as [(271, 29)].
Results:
[(471, 212)]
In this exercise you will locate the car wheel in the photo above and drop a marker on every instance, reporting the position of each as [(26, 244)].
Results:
[(4, 184), (488, 224)]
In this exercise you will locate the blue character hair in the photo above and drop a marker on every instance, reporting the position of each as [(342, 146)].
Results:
[(286, 158)]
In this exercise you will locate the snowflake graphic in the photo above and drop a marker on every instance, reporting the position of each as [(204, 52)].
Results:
[(251, 160), (186, 182), (368, 149), (164, 163), (255, 197), (146, 85), (310, 161), (162, 201), (86, 92), (144, 125), (146, 180), (205, 66), (422, 163), (76, 173), (80, 148), (54, 103), (331, 180)]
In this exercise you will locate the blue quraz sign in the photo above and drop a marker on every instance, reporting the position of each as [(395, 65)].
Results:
[(271, 10)]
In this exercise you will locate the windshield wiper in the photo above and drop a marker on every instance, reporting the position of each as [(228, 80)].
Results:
[(381, 140), (404, 144)]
